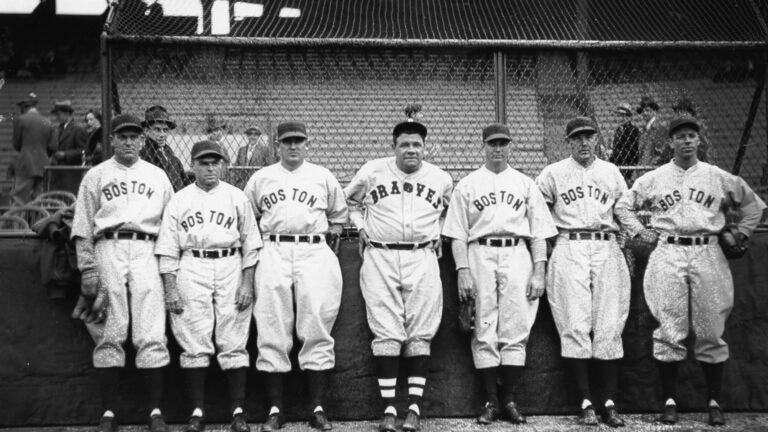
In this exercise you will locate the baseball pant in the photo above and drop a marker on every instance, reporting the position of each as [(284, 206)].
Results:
[(130, 272), (207, 288), (503, 314), (309, 277), (403, 299), (689, 281), (588, 288)]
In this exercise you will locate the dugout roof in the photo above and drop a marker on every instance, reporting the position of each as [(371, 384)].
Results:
[(474, 22)]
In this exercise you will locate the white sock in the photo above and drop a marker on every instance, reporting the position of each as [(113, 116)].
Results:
[(108, 413), (414, 408), (318, 409), (670, 401), (155, 412), (609, 403), (713, 403), (274, 410), (585, 403), (391, 410), (197, 412), (237, 411)]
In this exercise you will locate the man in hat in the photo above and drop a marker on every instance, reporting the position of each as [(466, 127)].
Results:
[(157, 123), (257, 153), (495, 212), (588, 284), (72, 137), (117, 218), (298, 280), (626, 141), (208, 247), (34, 138), (653, 135), (398, 205), (688, 284)]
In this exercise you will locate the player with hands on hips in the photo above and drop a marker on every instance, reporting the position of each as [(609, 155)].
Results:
[(588, 284), (208, 248), (688, 285), (298, 280), (117, 218), (495, 211), (397, 204)]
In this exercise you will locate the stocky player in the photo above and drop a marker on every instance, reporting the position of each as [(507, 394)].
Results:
[(494, 212), (208, 248), (397, 204), (298, 280), (588, 284), (117, 218), (688, 284)]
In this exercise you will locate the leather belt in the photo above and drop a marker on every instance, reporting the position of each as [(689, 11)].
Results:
[(590, 235), (499, 242), (303, 238), (128, 235), (401, 246), (214, 253), (688, 241)]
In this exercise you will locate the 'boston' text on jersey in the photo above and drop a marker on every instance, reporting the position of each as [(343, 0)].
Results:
[(294, 194), (114, 190), (216, 217), (490, 199), (577, 193), (695, 195)]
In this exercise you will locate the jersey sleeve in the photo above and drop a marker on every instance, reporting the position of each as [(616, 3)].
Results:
[(456, 224), (540, 220), (626, 207), (745, 201), (546, 184), (168, 239), (446, 197), (250, 236), (251, 194), (337, 211), (86, 206), (355, 194)]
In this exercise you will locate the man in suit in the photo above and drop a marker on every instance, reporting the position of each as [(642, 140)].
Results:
[(157, 124), (257, 153), (34, 138), (72, 137)]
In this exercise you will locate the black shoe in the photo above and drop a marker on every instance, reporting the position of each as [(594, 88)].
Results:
[(157, 423), (489, 413), (588, 416), (669, 416), (388, 423), (611, 417), (107, 424), (716, 417), (239, 423), (412, 422), (195, 424), (513, 414), (273, 423), (320, 421)]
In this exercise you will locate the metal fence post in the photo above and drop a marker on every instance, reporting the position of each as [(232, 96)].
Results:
[(500, 71)]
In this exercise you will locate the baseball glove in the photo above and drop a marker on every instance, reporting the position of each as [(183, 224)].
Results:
[(467, 316), (732, 242), (642, 244)]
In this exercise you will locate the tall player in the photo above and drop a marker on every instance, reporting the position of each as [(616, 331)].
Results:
[(397, 204), (117, 219), (208, 248), (298, 280), (688, 284), (588, 283), (494, 212)]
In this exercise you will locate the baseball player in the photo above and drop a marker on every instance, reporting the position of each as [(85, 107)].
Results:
[(588, 283), (208, 246), (494, 212), (298, 283), (117, 218), (397, 204), (688, 284)]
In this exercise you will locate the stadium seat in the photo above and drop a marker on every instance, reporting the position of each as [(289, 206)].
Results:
[(13, 223), (29, 213), (65, 196)]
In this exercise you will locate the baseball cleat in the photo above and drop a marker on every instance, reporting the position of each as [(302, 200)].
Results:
[(611, 417), (239, 423), (669, 416), (195, 424), (412, 422), (716, 417), (513, 414), (320, 421), (157, 423), (388, 423), (107, 424), (588, 416), (489, 413), (273, 423)]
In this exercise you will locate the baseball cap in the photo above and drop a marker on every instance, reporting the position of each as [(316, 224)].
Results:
[(206, 148), (291, 129), (496, 131), (624, 109), (580, 124), (681, 121), (126, 121), (411, 126)]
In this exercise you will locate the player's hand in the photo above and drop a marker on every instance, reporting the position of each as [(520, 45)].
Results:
[(364, 242), (536, 286), (99, 308), (89, 284), (333, 240), (82, 308), (648, 235), (438, 247), (173, 302), (466, 285), (244, 297)]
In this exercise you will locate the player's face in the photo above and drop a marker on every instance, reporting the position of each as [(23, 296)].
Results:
[(409, 151), (207, 171), (685, 142), (583, 146), (497, 151), (126, 144), (293, 150), (158, 132)]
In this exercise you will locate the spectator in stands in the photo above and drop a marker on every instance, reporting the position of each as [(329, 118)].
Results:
[(34, 138), (94, 152), (653, 135), (257, 153), (626, 141), (217, 130), (157, 123), (72, 137)]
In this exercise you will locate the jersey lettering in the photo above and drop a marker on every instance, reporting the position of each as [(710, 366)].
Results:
[(669, 200), (701, 197), (114, 190), (379, 192), (574, 194), (215, 217), (490, 199), (295, 194)]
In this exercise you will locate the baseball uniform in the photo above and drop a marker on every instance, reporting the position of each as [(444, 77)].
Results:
[(119, 209), (588, 283), (506, 208), (297, 268), (207, 239)]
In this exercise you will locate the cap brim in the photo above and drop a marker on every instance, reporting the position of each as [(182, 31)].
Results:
[(498, 136), (691, 124), (207, 153), (582, 129), (292, 135), (125, 126)]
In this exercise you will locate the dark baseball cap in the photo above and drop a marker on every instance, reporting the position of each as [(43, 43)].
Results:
[(206, 148), (126, 121), (681, 121), (291, 129), (579, 125), (409, 126), (496, 131)]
